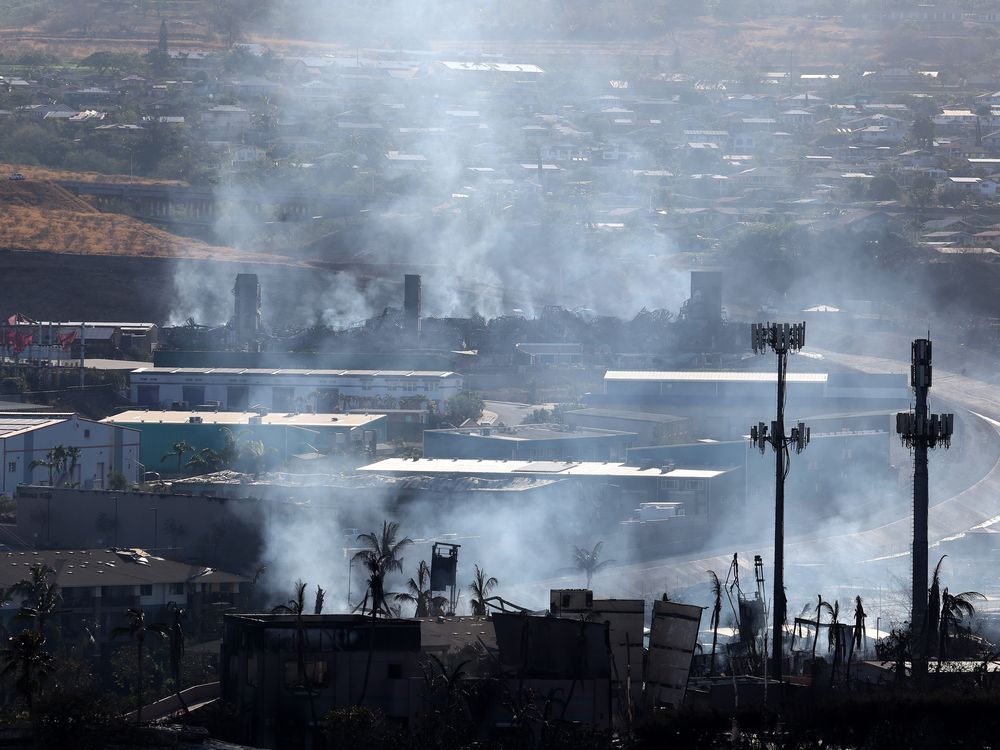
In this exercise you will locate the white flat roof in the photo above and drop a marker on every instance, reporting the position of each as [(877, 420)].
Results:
[(306, 419), (537, 468), (714, 376), (303, 373)]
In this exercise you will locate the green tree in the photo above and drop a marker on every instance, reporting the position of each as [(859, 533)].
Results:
[(883, 187), (588, 561), (463, 407), (138, 629), (922, 132), (481, 588), (40, 596)]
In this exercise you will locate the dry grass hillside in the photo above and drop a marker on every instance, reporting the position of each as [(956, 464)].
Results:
[(46, 173), (39, 216)]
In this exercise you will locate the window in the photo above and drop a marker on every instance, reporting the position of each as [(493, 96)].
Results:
[(177, 589), (146, 589), (283, 399), (12, 466), (316, 674), (86, 433), (193, 395), (148, 395), (237, 397)]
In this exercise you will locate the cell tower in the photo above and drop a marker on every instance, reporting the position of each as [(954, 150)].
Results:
[(920, 431), (781, 338)]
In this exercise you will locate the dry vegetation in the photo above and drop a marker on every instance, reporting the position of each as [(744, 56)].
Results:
[(34, 229), (45, 173)]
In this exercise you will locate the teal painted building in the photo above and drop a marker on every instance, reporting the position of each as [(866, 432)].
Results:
[(283, 435)]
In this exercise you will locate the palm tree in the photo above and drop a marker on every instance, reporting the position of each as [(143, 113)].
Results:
[(27, 660), (716, 615), (586, 561), (954, 608), (420, 594), (137, 628), (207, 460), (297, 606), (381, 557), (72, 461), (178, 450), (858, 633), (933, 610), (835, 636), (819, 612), (48, 462), (40, 596), (480, 589), (176, 636), (320, 598)]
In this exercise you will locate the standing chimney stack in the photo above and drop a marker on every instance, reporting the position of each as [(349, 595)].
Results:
[(411, 305)]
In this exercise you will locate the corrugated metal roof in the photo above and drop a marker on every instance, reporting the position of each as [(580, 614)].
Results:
[(271, 371), (306, 419), (14, 423)]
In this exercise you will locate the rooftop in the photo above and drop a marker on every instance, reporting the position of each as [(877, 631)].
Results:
[(432, 466), (637, 416), (306, 419), (534, 432), (107, 567), (717, 376), (292, 372), (13, 423)]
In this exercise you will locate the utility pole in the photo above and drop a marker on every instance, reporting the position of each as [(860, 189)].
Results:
[(919, 431), (781, 338)]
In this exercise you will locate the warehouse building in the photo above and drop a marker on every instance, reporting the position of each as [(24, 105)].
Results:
[(38, 449), (282, 435), (532, 442), (650, 428), (284, 390)]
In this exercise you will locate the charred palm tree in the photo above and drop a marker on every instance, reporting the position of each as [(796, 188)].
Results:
[(835, 637), (296, 606), (819, 614), (176, 636), (480, 588), (857, 633), (589, 561), (716, 615), (319, 601), (933, 610), (137, 628)]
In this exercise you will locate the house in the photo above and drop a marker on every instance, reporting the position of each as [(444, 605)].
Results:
[(33, 448), (226, 121), (99, 586)]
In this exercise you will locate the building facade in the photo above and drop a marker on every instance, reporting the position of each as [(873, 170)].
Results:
[(29, 442), (290, 390)]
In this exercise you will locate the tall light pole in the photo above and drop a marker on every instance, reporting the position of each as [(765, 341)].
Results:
[(781, 338), (920, 431)]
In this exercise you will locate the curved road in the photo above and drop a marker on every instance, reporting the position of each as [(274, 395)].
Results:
[(868, 561)]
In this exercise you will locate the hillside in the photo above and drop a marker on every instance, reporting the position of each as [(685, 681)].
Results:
[(40, 216), (46, 173)]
